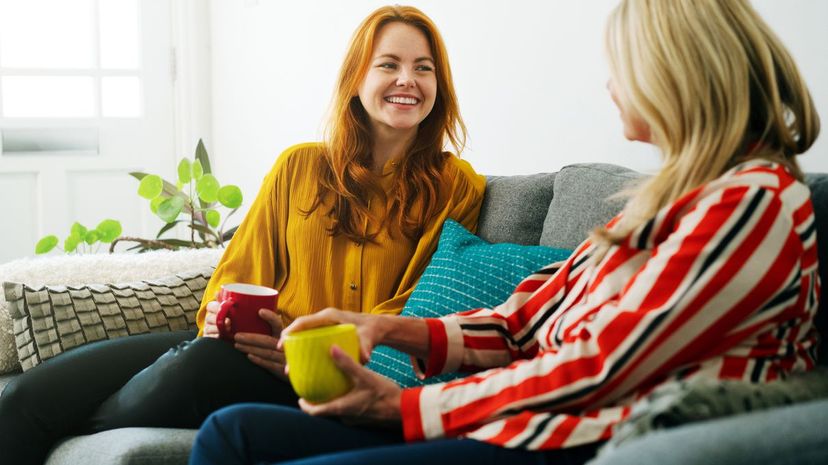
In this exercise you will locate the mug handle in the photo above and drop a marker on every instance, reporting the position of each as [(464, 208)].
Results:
[(223, 312)]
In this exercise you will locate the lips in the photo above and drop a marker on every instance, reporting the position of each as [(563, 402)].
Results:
[(400, 100)]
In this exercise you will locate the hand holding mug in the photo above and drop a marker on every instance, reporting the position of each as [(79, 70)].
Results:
[(370, 328), (241, 305), (373, 398)]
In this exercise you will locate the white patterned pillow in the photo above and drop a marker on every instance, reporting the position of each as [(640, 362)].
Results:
[(79, 270), (49, 320)]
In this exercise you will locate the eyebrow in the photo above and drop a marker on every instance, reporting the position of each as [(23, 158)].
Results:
[(395, 57)]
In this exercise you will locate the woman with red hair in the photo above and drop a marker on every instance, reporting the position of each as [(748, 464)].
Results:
[(350, 223)]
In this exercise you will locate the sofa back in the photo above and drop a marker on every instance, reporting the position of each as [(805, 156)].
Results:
[(559, 209)]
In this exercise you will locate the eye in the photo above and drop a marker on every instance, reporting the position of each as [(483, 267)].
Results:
[(424, 68), (387, 65)]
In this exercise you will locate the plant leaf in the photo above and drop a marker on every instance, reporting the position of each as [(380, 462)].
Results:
[(108, 230), (229, 234), (154, 203), (46, 244), (169, 190), (230, 196), (207, 188), (198, 170), (71, 243), (92, 237), (170, 208), (167, 227), (150, 187), (182, 243), (201, 155), (202, 229), (185, 171), (213, 217), (78, 230)]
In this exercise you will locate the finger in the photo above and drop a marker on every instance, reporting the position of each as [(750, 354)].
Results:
[(272, 367), (316, 409), (267, 354), (228, 324), (273, 319), (325, 317), (344, 405), (261, 340), (213, 306), (344, 362)]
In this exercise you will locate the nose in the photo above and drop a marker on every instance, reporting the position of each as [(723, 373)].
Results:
[(406, 79)]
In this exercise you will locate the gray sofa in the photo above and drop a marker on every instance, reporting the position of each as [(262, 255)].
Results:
[(558, 209)]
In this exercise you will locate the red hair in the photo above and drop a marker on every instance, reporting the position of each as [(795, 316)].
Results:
[(346, 176)]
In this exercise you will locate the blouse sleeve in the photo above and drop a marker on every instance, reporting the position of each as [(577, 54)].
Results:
[(466, 191), (251, 256), (729, 268)]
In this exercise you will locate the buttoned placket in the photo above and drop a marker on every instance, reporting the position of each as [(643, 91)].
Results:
[(353, 266)]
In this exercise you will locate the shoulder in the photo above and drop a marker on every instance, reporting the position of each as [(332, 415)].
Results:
[(302, 154), (460, 173), (767, 179), (298, 158)]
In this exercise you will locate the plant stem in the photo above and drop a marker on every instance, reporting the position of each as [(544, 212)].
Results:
[(221, 228), (144, 242), (192, 216)]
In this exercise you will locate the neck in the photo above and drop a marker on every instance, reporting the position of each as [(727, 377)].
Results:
[(390, 144)]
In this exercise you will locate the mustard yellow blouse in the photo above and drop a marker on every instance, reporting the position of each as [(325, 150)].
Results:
[(278, 246)]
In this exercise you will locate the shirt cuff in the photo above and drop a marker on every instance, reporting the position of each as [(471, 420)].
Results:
[(410, 412), (445, 352), (420, 412)]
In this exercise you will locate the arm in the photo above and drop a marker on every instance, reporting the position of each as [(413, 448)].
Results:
[(409, 335), (695, 297), (250, 256)]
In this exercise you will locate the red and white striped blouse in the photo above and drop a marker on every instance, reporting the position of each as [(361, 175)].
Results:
[(723, 283)]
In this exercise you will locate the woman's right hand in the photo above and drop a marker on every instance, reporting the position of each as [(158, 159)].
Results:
[(210, 328), (370, 328)]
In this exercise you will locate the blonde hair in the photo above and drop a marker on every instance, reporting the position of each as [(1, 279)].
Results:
[(346, 177), (716, 87)]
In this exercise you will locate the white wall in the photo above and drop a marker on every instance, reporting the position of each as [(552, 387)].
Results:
[(530, 76)]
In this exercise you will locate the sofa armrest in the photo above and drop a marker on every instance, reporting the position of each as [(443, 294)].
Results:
[(791, 434)]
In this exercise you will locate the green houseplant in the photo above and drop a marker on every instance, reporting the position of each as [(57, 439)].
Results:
[(193, 200)]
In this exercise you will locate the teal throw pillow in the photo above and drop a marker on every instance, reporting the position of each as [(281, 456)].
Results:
[(465, 272)]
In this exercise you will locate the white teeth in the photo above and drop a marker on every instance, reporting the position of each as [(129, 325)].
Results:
[(403, 100)]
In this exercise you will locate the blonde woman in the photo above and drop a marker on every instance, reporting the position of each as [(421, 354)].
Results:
[(349, 223), (709, 271)]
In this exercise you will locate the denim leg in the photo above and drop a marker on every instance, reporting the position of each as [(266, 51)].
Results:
[(258, 433), (449, 452), (261, 433)]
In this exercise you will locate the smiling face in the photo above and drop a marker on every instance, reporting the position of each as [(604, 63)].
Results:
[(400, 86)]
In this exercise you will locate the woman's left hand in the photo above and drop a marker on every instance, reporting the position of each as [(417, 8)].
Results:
[(373, 397), (262, 349)]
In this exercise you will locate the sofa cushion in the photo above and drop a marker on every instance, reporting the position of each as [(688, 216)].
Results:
[(795, 434), (90, 268), (819, 196), (126, 446), (514, 208), (49, 320), (700, 399), (465, 272), (581, 201)]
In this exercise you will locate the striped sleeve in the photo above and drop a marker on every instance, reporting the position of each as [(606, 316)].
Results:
[(485, 338), (722, 256)]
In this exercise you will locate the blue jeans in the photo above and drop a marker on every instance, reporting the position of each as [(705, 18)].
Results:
[(261, 433)]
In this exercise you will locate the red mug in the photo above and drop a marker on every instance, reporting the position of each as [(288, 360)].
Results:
[(241, 303)]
